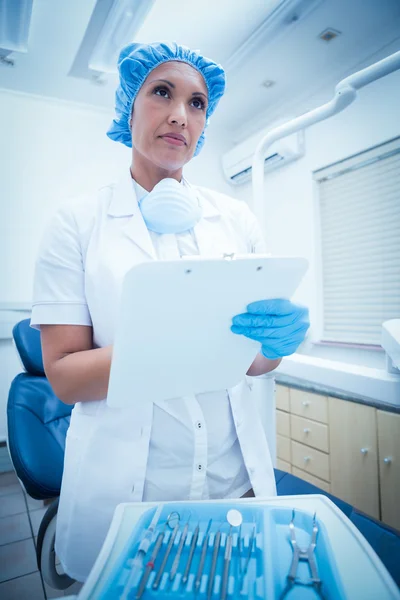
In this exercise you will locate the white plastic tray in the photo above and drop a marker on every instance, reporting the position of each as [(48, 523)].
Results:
[(363, 574)]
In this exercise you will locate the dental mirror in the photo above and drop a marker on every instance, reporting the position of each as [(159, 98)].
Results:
[(234, 517), (173, 519)]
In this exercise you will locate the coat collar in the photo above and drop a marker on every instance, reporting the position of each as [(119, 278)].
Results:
[(124, 203)]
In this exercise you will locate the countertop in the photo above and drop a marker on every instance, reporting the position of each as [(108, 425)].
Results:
[(328, 391)]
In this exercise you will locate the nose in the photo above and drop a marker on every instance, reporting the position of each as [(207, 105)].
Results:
[(178, 115)]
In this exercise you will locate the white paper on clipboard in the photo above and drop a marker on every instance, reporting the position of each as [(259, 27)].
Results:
[(173, 334)]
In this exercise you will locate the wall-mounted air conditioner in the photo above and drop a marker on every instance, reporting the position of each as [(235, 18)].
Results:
[(236, 163)]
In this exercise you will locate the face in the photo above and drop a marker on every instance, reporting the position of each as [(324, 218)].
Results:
[(169, 115)]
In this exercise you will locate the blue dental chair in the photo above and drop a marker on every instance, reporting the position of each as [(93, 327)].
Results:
[(37, 424)]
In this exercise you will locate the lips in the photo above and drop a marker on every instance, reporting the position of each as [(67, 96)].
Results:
[(174, 138)]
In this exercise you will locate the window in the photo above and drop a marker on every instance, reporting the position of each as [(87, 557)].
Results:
[(359, 212)]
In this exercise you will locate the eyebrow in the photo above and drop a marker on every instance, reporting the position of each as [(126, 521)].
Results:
[(173, 86)]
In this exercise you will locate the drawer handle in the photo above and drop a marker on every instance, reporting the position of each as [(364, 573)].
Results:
[(388, 460), (306, 430), (307, 458), (364, 451), (306, 403)]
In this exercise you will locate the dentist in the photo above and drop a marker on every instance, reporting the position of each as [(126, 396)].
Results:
[(211, 445)]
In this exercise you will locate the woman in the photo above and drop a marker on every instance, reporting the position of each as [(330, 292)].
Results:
[(207, 446)]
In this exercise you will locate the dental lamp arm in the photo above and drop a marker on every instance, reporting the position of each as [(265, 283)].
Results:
[(345, 93)]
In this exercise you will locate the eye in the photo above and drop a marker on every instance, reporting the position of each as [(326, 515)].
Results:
[(161, 91), (199, 103)]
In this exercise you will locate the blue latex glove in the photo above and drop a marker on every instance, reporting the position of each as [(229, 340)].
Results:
[(279, 325)]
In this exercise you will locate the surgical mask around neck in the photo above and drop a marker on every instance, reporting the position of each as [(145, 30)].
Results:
[(170, 208)]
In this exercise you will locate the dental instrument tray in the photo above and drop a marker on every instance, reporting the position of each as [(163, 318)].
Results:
[(192, 550)]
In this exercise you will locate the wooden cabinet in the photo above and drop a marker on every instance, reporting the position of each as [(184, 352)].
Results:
[(283, 423), (283, 448), (309, 405), (283, 465), (347, 448), (389, 466), (310, 433), (302, 435), (311, 479), (310, 460), (282, 398), (354, 454)]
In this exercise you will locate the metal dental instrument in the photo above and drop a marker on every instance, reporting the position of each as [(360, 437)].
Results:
[(243, 571), (202, 556), (306, 554), (177, 558), (251, 542), (160, 572), (235, 519), (193, 544), (240, 552), (137, 563), (217, 543), (227, 564), (150, 564)]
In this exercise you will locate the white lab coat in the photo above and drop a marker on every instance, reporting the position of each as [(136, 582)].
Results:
[(103, 236)]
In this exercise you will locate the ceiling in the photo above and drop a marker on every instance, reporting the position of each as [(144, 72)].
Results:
[(304, 68)]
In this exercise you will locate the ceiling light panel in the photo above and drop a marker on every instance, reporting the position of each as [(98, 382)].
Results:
[(124, 20), (15, 18)]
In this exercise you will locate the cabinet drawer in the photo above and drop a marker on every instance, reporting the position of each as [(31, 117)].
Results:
[(309, 405), (283, 448), (311, 479), (283, 423), (282, 397), (309, 432), (283, 465), (310, 460)]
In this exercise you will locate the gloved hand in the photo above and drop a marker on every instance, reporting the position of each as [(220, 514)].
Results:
[(278, 324)]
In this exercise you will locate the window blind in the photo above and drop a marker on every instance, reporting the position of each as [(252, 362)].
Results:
[(359, 202)]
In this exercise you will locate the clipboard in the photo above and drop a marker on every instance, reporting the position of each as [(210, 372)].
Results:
[(173, 334)]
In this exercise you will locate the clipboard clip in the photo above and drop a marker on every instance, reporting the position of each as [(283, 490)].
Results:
[(228, 256)]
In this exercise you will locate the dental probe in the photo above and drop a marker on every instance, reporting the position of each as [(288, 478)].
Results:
[(227, 564), (160, 573), (193, 544), (203, 556), (177, 559), (217, 543)]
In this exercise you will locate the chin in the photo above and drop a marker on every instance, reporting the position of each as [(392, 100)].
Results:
[(171, 161)]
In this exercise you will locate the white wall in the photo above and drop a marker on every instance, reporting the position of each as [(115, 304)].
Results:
[(290, 225), (50, 151)]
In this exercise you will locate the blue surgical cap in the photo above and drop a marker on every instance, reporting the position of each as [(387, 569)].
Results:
[(136, 61)]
